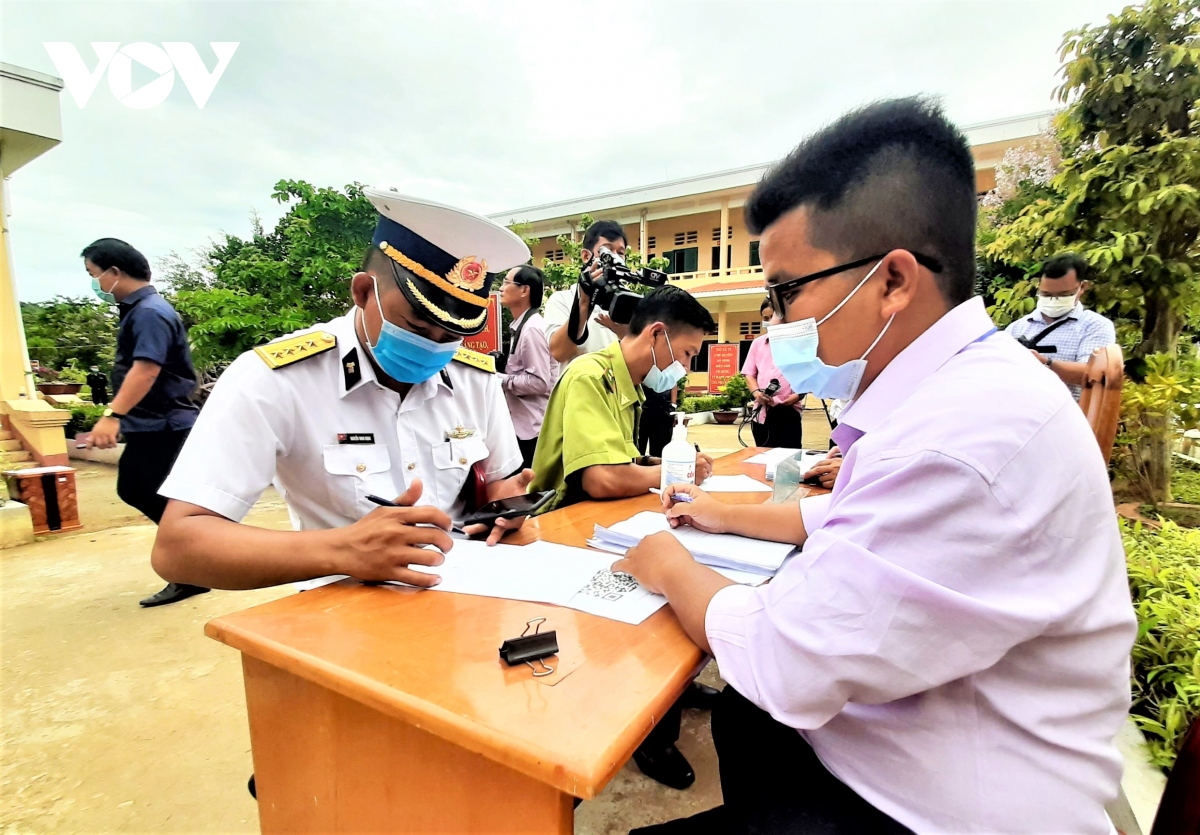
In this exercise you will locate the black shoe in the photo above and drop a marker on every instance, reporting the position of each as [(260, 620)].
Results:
[(700, 696), (172, 593), (253, 789), (665, 765)]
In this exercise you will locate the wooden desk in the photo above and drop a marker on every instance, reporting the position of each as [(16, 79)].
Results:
[(382, 709)]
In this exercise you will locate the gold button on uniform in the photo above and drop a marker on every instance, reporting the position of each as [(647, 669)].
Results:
[(462, 460), (362, 468), (412, 466)]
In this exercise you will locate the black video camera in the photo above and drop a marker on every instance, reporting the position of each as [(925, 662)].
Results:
[(501, 359), (610, 290), (772, 389)]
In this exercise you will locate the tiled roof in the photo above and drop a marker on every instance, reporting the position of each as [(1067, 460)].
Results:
[(750, 284)]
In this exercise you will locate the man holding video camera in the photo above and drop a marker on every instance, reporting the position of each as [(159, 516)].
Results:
[(592, 328)]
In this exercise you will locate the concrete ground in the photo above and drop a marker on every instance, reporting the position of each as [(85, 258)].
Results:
[(120, 719)]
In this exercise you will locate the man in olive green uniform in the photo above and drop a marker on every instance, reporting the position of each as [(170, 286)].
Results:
[(587, 451)]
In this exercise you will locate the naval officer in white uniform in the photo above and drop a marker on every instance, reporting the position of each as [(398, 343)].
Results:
[(383, 401)]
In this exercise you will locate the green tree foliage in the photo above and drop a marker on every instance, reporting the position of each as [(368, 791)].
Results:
[(1128, 195), (249, 291), (70, 333)]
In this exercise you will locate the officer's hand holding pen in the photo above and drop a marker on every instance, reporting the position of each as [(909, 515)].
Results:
[(687, 504), (384, 543)]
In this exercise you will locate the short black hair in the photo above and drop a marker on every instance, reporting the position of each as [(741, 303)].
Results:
[(672, 306), (107, 253), (609, 229), (765, 304), (1059, 265), (533, 278), (895, 174)]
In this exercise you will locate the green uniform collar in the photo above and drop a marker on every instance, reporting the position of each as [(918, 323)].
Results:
[(617, 374)]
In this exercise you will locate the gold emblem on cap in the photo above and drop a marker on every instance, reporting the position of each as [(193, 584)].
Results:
[(469, 272), (469, 269)]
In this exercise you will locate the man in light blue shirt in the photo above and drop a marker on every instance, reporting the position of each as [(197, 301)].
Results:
[(1061, 332)]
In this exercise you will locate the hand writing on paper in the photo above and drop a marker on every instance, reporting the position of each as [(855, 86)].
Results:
[(384, 543), (701, 510), (653, 559)]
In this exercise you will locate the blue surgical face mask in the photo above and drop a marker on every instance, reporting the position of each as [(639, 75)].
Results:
[(660, 380), (794, 352), (407, 357), (104, 295)]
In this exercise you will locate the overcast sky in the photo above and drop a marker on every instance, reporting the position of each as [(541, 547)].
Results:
[(488, 106)]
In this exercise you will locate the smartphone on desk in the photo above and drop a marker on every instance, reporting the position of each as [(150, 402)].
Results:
[(508, 508)]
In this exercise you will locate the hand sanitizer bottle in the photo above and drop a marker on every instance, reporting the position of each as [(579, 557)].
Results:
[(678, 457)]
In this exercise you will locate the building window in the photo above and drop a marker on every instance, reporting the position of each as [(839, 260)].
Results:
[(749, 330), (554, 255), (650, 242), (754, 261), (692, 237), (717, 234), (682, 260), (716, 256)]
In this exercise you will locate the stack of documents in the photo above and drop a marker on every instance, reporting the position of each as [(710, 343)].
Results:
[(721, 551)]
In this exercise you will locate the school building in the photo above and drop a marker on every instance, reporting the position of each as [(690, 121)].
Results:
[(696, 224)]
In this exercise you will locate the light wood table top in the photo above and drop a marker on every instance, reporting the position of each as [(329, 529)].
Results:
[(431, 659)]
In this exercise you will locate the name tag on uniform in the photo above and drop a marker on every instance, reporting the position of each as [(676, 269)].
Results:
[(356, 437)]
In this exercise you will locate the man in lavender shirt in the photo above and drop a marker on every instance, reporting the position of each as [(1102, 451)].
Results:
[(950, 651), (529, 370)]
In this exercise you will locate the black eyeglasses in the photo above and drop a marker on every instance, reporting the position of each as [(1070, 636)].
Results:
[(781, 294)]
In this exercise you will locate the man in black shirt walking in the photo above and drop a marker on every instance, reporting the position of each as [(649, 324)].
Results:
[(153, 380)]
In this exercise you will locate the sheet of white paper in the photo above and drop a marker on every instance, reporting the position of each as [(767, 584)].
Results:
[(539, 572), (617, 597), (772, 456), (726, 550), (734, 484), (745, 578)]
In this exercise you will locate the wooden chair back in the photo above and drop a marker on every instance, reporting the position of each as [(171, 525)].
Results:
[(1101, 398), (1179, 811)]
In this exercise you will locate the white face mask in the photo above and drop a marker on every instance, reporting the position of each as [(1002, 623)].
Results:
[(1054, 307)]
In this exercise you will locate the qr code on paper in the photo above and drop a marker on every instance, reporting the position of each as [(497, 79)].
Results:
[(609, 586)]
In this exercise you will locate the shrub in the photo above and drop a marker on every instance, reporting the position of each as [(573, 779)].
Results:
[(737, 392), (83, 418), (1164, 578), (708, 403)]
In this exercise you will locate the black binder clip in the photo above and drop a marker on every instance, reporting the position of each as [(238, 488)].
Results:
[(529, 648)]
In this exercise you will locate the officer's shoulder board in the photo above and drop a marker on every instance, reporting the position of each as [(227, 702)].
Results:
[(292, 349), (476, 360)]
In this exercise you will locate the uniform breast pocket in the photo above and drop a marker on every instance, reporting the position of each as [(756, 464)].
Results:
[(356, 471), (452, 461)]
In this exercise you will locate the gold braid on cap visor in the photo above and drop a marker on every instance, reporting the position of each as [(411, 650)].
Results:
[(435, 279), (443, 315)]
